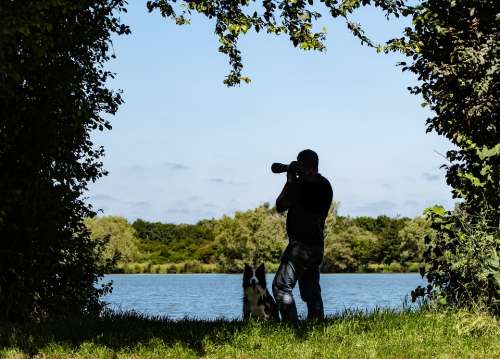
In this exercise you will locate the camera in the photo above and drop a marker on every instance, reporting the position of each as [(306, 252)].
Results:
[(280, 167)]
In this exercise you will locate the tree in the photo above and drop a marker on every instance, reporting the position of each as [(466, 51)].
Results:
[(52, 95), (387, 230), (254, 237), (294, 18), (455, 47), (411, 239), (348, 247), (454, 50), (177, 242), (119, 236), (349, 250)]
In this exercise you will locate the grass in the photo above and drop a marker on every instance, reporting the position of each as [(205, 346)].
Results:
[(182, 267), (381, 334), (199, 267)]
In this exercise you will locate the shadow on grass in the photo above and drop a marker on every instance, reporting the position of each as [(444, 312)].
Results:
[(116, 331), (127, 330), (119, 331)]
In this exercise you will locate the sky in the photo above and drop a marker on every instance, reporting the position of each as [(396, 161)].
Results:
[(185, 147)]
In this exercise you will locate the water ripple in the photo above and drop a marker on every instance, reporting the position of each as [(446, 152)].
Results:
[(211, 296)]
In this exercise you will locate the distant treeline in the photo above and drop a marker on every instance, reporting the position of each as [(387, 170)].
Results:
[(352, 244)]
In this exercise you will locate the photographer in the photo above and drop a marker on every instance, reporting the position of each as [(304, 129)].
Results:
[(307, 196)]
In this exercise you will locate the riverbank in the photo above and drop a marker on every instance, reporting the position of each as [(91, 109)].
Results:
[(200, 267), (382, 334)]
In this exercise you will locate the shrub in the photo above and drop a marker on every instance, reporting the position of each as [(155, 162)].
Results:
[(120, 237), (462, 261), (413, 267), (375, 268), (395, 267)]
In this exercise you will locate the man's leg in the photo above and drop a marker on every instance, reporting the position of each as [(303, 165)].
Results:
[(283, 283), (310, 292)]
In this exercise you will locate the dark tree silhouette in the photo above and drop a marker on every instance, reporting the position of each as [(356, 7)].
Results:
[(454, 48), (52, 95)]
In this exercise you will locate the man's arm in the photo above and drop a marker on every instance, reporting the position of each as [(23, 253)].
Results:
[(328, 197), (289, 194), (283, 202)]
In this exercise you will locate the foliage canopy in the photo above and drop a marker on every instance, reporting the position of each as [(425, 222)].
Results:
[(454, 47), (52, 94), (119, 236), (294, 18), (258, 236)]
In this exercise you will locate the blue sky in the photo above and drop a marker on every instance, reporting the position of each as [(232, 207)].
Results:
[(185, 147)]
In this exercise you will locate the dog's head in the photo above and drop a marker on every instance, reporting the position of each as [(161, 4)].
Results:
[(255, 279)]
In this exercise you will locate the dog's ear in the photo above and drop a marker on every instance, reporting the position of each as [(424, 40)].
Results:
[(260, 273), (261, 270), (247, 274), (248, 270)]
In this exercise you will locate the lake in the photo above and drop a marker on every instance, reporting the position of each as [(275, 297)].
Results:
[(211, 296)]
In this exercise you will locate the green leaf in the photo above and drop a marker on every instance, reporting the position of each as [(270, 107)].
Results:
[(436, 210), (486, 152)]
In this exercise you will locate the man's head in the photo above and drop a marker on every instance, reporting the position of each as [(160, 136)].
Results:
[(308, 161)]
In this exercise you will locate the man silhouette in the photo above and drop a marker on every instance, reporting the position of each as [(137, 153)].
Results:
[(307, 196)]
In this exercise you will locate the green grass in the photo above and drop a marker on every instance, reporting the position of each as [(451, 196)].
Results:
[(194, 266), (182, 267), (383, 334)]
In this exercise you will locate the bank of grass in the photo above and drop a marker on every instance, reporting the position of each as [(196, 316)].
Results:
[(200, 267), (382, 334), (182, 267)]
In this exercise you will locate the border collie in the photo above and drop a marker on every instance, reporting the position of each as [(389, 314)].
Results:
[(257, 301)]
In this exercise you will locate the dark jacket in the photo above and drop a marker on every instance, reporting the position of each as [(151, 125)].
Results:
[(310, 199)]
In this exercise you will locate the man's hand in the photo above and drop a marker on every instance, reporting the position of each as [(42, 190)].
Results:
[(291, 174), (289, 194)]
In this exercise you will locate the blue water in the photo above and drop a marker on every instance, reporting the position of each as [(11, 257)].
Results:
[(210, 296)]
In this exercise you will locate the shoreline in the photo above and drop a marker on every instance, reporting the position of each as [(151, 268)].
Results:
[(267, 274), (200, 267)]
